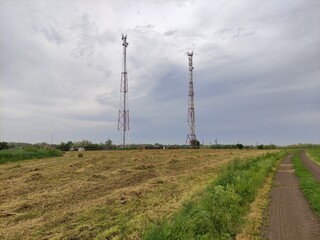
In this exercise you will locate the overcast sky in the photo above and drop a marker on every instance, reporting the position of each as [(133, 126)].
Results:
[(256, 70)]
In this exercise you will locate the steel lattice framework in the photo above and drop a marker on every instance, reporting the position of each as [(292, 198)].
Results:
[(191, 117), (123, 115)]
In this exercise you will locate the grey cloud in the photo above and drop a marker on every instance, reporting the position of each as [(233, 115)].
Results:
[(144, 28), (255, 78), (108, 99), (172, 84), (87, 38), (233, 32), (106, 37), (169, 33), (52, 35), (88, 43)]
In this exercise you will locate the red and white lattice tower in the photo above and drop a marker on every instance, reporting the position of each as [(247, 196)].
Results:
[(191, 137), (123, 115)]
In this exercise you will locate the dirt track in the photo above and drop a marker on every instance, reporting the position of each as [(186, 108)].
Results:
[(290, 215)]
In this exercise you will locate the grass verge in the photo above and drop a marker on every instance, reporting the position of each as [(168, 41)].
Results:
[(314, 154), (309, 185), (14, 155), (220, 210), (254, 220)]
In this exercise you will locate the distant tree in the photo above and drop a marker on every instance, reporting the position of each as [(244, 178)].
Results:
[(158, 146), (83, 143), (43, 145), (93, 146), (260, 146), (270, 146), (63, 146), (239, 146), (108, 144), (3, 145), (194, 143)]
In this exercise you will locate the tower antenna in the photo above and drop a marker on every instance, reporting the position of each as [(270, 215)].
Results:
[(191, 137), (123, 115)]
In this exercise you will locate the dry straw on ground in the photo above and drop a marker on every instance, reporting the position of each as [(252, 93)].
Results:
[(105, 194)]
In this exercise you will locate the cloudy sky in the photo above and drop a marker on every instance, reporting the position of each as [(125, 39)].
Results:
[(256, 70)]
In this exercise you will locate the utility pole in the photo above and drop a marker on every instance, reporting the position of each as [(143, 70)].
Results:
[(123, 115), (191, 137)]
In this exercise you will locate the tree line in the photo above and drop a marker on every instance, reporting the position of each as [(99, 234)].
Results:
[(108, 145), (87, 145)]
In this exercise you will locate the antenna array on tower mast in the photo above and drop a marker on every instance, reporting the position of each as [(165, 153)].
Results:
[(191, 137), (123, 115)]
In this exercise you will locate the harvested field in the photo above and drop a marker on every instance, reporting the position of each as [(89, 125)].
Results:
[(102, 195)]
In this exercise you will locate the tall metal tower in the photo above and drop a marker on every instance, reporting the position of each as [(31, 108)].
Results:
[(191, 137), (123, 115)]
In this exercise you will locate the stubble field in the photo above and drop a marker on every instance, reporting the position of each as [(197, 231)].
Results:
[(104, 194)]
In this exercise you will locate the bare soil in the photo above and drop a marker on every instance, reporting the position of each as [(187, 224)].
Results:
[(290, 215), (313, 167)]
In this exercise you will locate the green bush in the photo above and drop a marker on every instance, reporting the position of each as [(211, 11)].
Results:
[(219, 211), (3, 145)]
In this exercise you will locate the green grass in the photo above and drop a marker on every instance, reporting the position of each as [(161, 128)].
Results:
[(309, 185), (14, 155), (219, 211), (314, 153)]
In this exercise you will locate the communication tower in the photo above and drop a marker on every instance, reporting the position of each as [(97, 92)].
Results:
[(191, 137), (123, 115)]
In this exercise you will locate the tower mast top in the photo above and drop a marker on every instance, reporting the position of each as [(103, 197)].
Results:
[(123, 115), (191, 137)]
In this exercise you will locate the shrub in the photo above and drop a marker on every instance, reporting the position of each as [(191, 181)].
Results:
[(194, 143), (3, 145)]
